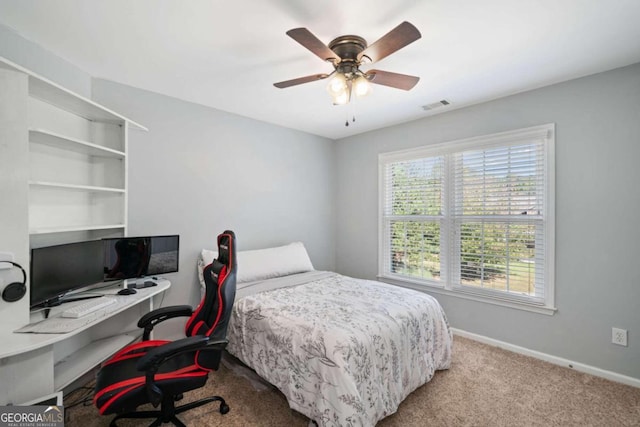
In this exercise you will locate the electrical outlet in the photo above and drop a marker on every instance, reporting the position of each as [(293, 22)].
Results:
[(619, 336), (4, 257)]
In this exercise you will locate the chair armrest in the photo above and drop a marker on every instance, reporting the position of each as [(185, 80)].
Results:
[(151, 319), (156, 356)]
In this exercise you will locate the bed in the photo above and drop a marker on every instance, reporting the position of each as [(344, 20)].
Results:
[(343, 351)]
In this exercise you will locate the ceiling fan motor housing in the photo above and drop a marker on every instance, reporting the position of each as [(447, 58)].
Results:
[(348, 47)]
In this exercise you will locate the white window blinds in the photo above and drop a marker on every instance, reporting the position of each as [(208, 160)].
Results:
[(472, 216), (413, 215)]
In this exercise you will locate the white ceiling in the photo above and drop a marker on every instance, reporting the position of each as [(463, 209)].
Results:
[(228, 54)]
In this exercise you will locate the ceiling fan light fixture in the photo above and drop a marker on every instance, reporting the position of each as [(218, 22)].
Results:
[(337, 85), (341, 98), (361, 86)]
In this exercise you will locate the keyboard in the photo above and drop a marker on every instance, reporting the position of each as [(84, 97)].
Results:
[(63, 325), (87, 307), (57, 325)]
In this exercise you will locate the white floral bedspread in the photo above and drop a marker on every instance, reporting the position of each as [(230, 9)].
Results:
[(344, 351)]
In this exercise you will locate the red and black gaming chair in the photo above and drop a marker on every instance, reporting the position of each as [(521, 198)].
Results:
[(158, 372)]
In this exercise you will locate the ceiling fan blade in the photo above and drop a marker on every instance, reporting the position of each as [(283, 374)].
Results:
[(300, 80), (398, 81), (311, 42), (394, 40)]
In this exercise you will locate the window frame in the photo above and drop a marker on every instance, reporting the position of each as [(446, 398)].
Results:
[(445, 286)]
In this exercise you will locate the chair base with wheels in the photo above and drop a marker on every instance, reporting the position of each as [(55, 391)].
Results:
[(168, 411)]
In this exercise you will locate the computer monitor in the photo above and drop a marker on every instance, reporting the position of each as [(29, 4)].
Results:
[(60, 269), (132, 257)]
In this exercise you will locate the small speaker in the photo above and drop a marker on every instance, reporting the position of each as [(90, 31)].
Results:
[(15, 291)]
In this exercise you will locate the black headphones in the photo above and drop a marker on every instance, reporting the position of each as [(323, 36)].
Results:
[(16, 290)]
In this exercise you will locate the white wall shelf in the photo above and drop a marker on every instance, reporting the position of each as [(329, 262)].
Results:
[(52, 93), (76, 187), (46, 137), (60, 208), (71, 229)]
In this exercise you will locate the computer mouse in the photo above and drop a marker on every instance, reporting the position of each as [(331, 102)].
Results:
[(127, 291)]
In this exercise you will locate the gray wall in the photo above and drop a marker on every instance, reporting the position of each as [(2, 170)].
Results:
[(597, 204), (23, 52), (199, 171)]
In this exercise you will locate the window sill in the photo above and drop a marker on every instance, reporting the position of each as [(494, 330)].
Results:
[(423, 287)]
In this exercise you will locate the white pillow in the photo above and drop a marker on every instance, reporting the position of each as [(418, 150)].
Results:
[(263, 264)]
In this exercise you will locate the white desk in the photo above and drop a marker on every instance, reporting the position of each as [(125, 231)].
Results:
[(32, 365)]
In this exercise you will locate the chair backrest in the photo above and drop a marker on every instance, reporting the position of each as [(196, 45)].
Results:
[(211, 317)]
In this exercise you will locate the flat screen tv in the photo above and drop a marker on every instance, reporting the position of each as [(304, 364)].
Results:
[(132, 257), (60, 269)]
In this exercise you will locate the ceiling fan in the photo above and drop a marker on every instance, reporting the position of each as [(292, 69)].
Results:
[(347, 53)]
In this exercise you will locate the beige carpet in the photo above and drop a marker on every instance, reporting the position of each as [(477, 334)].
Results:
[(485, 386)]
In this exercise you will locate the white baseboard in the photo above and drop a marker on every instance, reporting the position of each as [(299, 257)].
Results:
[(580, 367)]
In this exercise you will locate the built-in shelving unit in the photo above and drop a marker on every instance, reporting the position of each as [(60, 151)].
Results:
[(77, 164), (77, 173), (69, 154)]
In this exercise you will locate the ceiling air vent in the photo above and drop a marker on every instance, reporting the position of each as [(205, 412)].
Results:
[(434, 105)]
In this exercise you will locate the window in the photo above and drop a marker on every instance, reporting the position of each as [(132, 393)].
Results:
[(472, 218)]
